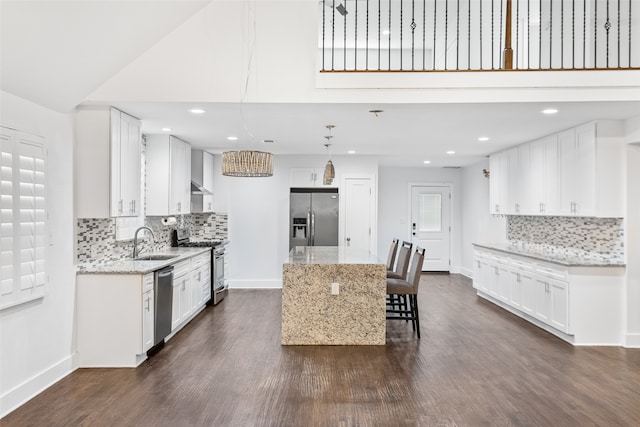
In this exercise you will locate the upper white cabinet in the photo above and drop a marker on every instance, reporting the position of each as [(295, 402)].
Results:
[(499, 182), (108, 159), (168, 176), (202, 181), (577, 172), (309, 177)]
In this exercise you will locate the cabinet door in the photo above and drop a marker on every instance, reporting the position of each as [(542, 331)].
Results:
[(515, 294), (537, 178), (117, 202), (196, 288), (130, 178), (207, 181), (504, 283), (529, 293), (147, 320), (559, 299), (542, 300), (176, 313), (303, 177), (186, 307), (551, 200), (499, 183), (519, 193), (585, 170), (567, 157), (177, 168)]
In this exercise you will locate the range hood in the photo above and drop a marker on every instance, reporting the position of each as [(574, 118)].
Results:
[(197, 188)]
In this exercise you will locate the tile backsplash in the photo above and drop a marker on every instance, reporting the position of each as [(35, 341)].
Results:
[(571, 236), (96, 237)]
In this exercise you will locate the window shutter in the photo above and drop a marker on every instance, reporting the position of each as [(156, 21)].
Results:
[(22, 218)]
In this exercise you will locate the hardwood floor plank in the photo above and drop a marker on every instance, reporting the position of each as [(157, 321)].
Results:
[(476, 365)]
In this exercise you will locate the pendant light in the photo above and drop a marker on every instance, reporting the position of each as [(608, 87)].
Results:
[(248, 163), (329, 170)]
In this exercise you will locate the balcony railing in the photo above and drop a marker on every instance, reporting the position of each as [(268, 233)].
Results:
[(466, 35)]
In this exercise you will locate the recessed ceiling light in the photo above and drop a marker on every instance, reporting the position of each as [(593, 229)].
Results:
[(351, 152), (386, 32), (549, 111), (451, 152), (232, 138), (426, 162), (483, 138), (197, 111), (166, 129)]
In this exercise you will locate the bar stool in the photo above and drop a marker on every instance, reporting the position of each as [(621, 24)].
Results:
[(391, 258), (407, 290)]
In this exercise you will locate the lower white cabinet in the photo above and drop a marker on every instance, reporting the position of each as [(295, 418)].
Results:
[(148, 312), (581, 304), (191, 288), (114, 319)]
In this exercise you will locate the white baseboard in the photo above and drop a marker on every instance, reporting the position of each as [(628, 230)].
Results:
[(632, 341), (467, 272), (255, 284), (35, 385)]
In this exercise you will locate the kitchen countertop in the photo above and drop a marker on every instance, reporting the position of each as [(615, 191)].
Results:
[(331, 255), (131, 266), (560, 259)]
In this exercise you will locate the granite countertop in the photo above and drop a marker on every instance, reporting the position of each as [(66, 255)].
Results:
[(560, 259), (131, 266), (331, 255)]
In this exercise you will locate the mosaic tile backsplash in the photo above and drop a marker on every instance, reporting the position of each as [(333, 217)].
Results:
[(96, 241), (568, 236)]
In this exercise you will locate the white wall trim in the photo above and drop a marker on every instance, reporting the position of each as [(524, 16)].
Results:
[(467, 272), (631, 341), (35, 385), (256, 284)]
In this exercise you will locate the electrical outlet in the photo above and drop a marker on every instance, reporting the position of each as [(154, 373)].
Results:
[(335, 288)]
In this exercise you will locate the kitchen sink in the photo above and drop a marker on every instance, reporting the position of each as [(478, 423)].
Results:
[(155, 257)]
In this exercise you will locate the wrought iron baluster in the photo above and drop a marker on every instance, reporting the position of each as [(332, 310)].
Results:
[(562, 34), (355, 39), (333, 34), (629, 33), (323, 32), (595, 35), (401, 10), (344, 43), (618, 33), (493, 49), (607, 27), (573, 34), (424, 34), (540, 37), (458, 35), (379, 33), (501, 39), (469, 35), (366, 47), (584, 34), (446, 33), (413, 32), (480, 31), (550, 34), (517, 32), (389, 36), (435, 26)]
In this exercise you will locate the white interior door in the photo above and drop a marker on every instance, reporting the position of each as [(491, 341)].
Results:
[(357, 200), (430, 225)]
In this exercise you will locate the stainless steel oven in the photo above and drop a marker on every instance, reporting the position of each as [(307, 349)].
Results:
[(220, 286)]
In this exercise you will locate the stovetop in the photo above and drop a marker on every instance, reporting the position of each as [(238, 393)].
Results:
[(181, 237)]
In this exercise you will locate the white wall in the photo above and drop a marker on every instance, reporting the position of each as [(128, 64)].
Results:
[(258, 210), (393, 205), (478, 226), (632, 333), (36, 339)]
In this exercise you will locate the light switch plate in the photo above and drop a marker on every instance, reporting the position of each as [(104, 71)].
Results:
[(335, 288)]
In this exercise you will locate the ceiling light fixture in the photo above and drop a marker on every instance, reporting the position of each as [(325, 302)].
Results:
[(451, 152), (232, 138), (166, 129), (426, 162), (329, 170), (351, 152), (386, 32), (247, 163), (197, 111), (549, 111), (376, 112), (483, 138)]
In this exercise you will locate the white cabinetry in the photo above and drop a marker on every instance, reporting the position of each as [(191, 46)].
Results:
[(575, 172), (181, 306), (108, 153), (581, 305), (309, 177), (168, 176), (115, 319), (499, 183), (202, 177), (201, 279)]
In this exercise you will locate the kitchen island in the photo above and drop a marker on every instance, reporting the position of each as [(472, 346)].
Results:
[(333, 295)]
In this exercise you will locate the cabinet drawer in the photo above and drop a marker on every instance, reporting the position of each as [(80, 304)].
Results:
[(181, 268), (147, 282), (201, 259)]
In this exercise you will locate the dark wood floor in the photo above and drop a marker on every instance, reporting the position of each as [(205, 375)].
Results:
[(476, 365)]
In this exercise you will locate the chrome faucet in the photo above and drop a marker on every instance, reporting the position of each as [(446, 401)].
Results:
[(135, 239)]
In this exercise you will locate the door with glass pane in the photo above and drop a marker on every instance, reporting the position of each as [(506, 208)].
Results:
[(430, 225)]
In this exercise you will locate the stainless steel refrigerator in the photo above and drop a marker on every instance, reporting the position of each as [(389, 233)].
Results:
[(313, 217)]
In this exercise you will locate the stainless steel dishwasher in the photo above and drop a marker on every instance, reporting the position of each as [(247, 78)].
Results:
[(163, 304)]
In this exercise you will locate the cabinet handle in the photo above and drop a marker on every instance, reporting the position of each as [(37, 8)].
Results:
[(179, 206), (148, 300), (209, 206), (133, 202), (183, 285), (120, 206)]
